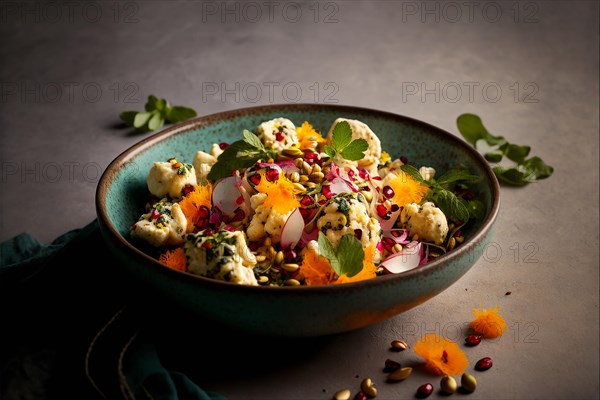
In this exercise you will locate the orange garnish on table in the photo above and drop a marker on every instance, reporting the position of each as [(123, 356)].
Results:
[(488, 323), (442, 356)]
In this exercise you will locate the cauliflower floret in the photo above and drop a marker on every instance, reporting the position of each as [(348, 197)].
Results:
[(278, 134), (427, 221), (362, 130), (215, 150), (164, 225), (203, 163), (223, 256), (265, 221), (169, 178), (427, 173), (347, 215)]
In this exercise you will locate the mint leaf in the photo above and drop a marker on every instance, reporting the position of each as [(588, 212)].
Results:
[(355, 150), (252, 139), (349, 256), (128, 117), (455, 175), (494, 156), (514, 176), (517, 153), (156, 121), (180, 113), (472, 129), (476, 209), (157, 111), (341, 135), (412, 172), (141, 119), (538, 167), (330, 151), (450, 205)]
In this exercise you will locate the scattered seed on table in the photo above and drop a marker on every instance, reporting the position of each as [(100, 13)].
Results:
[(473, 340), (484, 364), (391, 365), (399, 345), (424, 390)]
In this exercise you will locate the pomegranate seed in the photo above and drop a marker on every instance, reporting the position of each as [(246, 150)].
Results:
[(484, 364), (473, 340), (290, 255), (223, 145), (311, 156), (255, 179), (458, 222), (361, 396), (306, 214), (239, 215), (358, 233), (363, 173), (424, 390), (306, 201), (458, 233), (326, 190), (395, 207), (351, 174), (207, 245), (279, 136), (388, 192), (272, 175), (253, 246), (203, 212), (381, 210), (187, 189), (155, 214), (404, 160)]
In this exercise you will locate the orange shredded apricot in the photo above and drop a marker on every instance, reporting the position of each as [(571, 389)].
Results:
[(281, 194), (191, 203), (316, 269), (369, 270), (406, 189), (308, 136), (175, 259), (488, 323), (442, 356)]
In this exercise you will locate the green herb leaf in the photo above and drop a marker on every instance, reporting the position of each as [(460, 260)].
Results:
[(355, 150), (517, 153), (240, 154), (157, 112), (494, 156), (538, 167), (472, 129), (330, 151), (141, 119), (514, 176), (455, 175), (450, 205), (341, 135), (412, 172), (180, 113), (128, 117), (349, 256), (476, 209)]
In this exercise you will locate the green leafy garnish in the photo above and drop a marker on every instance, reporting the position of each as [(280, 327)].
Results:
[(240, 154), (525, 171), (442, 192), (157, 112), (348, 259), (342, 143)]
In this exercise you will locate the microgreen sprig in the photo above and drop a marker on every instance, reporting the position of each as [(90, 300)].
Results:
[(525, 170), (157, 112), (348, 259), (343, 145), (240, 154)]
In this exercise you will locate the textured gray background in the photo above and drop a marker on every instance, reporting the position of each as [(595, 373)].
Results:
[(68, 70)]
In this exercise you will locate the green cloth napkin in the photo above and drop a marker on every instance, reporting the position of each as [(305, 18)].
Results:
[(73, 326)]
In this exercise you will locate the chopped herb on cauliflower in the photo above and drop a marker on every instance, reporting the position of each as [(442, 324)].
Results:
[(427, 221), (170, 178), (164, 225)]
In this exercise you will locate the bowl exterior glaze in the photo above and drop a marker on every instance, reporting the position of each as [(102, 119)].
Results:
[(291, 311)]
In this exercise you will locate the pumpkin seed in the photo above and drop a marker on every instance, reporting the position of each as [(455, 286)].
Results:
[(368, 387), (448, 384), (399, 374), (343, 394), (468, 382)]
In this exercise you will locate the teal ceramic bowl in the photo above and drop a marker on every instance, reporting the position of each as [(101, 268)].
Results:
[(290, 311)]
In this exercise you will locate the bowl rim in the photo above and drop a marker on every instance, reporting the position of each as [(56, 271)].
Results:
[(192, 124)]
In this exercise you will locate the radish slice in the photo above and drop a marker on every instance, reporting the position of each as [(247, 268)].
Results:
[(226, 194), (292, 230), (409, 258), (400, 239), (388, 224)]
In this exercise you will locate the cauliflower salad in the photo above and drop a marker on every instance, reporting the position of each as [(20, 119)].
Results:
[(290, 205)]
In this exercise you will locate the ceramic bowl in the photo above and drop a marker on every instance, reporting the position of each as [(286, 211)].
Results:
[(290, 311)]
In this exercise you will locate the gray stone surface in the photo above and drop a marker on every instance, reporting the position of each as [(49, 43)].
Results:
[(68, 70)]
